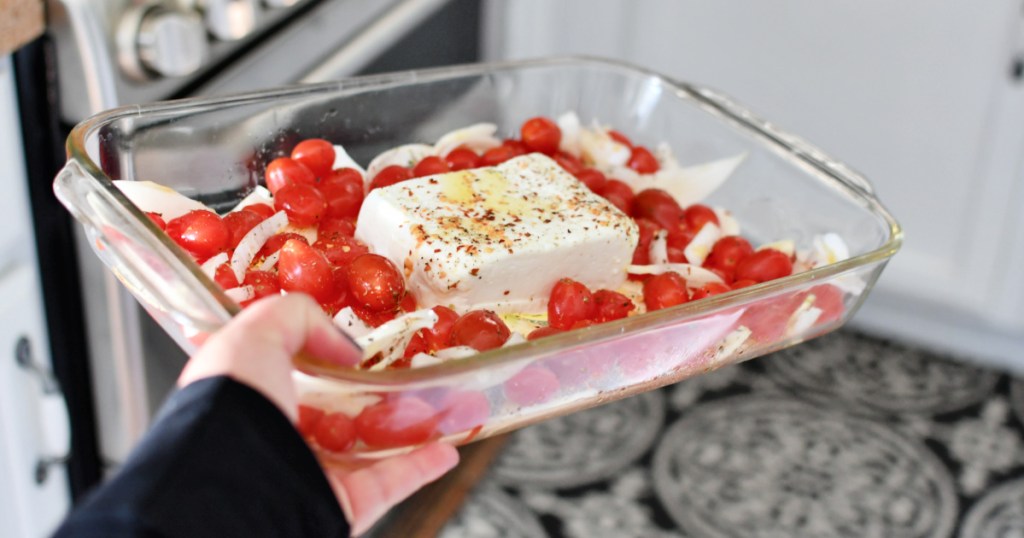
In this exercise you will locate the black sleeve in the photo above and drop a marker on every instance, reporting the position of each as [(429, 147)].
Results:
[(220, 460)]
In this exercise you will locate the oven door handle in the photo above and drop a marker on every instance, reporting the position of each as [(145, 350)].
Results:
[(365, 46)]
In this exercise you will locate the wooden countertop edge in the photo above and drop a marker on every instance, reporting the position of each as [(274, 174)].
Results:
[(21, 21)]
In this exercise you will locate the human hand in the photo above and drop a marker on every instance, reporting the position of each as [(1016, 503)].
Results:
[(256, 348)]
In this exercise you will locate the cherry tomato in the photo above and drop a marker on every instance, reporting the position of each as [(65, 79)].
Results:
[(308, 418), (727, 252), (430, 166), (518, 148), (768, 319), (225, 277), (344, 199), (202, 233), (480, 330), (611, 305), (496, 156), (665, 290), (304, 204), (619, 194), (462, 159), (302, 268), (335, 432), (316, 154), (829, 299), (263, 210), (374, 318), (157, 219), (392, 423), (593, 179), (390, 175), (697, 215), (541, 332), (643, 161), (763, 265), (569, 303), (745, 283), (658, 206), (341, 250), (462, 410), (642, 254), (620, 138), (531, 386), (438, 336), (344, 297), (285, 171), (331, 228), (678, 239), (709, 289), (376, 282), (277, 241), (240, 223), (568, 162), (541, 134), (408, 303), (263, 283)]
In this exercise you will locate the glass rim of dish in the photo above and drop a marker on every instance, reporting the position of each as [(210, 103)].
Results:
[(823, 167)]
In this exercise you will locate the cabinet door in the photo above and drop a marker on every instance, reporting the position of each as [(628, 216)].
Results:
[(924, 97)]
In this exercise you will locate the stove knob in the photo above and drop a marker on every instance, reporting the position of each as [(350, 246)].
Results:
[(160, 42), (228, 20)]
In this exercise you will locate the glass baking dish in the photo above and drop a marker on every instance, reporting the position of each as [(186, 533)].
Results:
[(214, 150)]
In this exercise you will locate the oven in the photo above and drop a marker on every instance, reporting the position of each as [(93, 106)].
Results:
[(112, 362)]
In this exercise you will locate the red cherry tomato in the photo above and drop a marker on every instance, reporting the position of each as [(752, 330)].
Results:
[(286, 171), (764, 265), (620, 138), (480, 330), (531, 386), (665, 290), (408, 303), (496, 156), (709, 289), (302, 268), (518, 148), (277, 241), (225, 277), (746, 283), (344, 297), (316, 154), (341, 250), (331, 229), (344, 199), (374, 318), (570, 302), (202, 233), (462, 159), (375, 282), (829, 299), (400, 422), (263, 210), (263, 283), (643, 161), (611, 305), (677, 240), (438, 336), (240, 223), (541, 134), (593, 179), (390, 175), (462, 410), (542, 332), (568, 162), (335, 432), (727, 252), (343, 175), (430, 166), (697, 215), (157, 219), (619, 194), (642, 254), (658, 206), (309, 416), (304, 204)]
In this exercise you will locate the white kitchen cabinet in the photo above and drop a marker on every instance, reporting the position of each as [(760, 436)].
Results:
[(918, 95)]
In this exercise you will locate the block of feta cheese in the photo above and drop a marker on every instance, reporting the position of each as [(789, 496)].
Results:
[(498, 237)]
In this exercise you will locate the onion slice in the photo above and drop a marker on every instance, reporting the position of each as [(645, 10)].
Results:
[(351, 324), (241, 293), (254, 241), (270, 262), (659, 248), (391, 338), (702, 243), (694, 275), (209, 267), (406, 155), (259, 195), (155, 198), (342, 160), (478, 137)]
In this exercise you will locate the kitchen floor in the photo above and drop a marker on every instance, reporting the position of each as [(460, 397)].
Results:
[(845, 435)]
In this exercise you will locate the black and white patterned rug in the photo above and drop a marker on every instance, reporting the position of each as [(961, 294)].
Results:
[(843, 436)]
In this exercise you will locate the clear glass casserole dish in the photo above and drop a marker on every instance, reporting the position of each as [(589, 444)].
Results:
[(214, 150)]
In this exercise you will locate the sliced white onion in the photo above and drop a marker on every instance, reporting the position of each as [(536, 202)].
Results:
[(785, 246), (828, 249), (209, 267), (688, 185), (659, 248), (155, 198), (391, 338), (726, 221), (269, 262), (569, 123), (420, 360), (700, 246), (407, 155), (478, 137), (347, 320), (342, 160), (732, 342), (514, 339), (600, 149), (803, 317), (254, 241), (455, 352), (241, 293), (695, 276), (259, 195)]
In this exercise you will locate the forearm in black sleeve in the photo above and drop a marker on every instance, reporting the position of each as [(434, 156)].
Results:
[(221, 460)]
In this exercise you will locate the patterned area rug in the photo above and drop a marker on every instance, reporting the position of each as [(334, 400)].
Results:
[(843, 436)]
